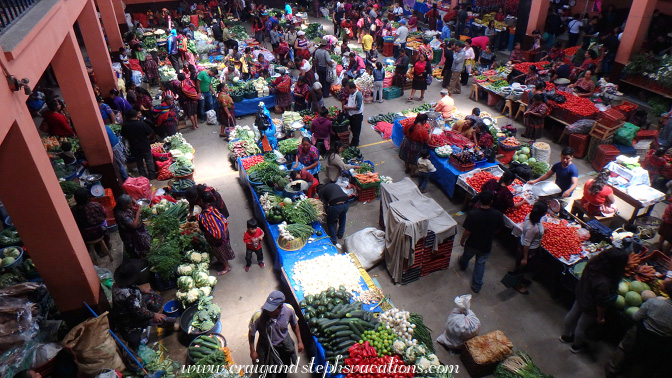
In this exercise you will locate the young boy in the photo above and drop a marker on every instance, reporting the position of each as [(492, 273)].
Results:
[(425, 167), (252, 238)]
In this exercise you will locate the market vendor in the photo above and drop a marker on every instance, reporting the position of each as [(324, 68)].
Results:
[(584, 87), (598, 196), (446, 105), (307, 157), (90, 217), (560, 70), (283, 52), (283, 84), (335, 166), (483, 137), (301, 89), (400, 70), (356, 66), (302, 174), (274, 349), (215, 229), (566, 173), (321, 131), (301, 46), (503, 199), (517, 54), (487, 59), (416, 135), (196, 194), (132, 231), (465, 127), (261, 67), (166, 123), (227, 118), (134, 309), (555, 53), (535, 116)]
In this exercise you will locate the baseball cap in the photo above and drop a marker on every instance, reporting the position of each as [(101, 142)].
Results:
[(402, 21), (274, 300)]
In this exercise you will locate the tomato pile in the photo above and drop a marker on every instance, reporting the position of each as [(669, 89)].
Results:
[(561, 240), (437, 140), (577, 105), (570, 51), (550, 86), (626, 107), (477, 180), (518, 214), (252, 161), (363, 362), (514, 183), (458, 139), (407, 121), (308, 119), (523, 67)]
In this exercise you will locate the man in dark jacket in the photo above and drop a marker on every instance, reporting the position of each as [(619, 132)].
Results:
[(138, 134)]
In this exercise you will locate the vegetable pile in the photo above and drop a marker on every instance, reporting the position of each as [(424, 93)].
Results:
[(243, 147), (182, 167), (204, 346), (289, 232), (367, 178), (206, 316), (322, 272), (561, 240), (364, 362), (305, 211), (194, 282), (518, 214), (578, 105), (519, 365), (351, 153), (381, 338), (288, 146), (182, 185), (251, 161), (478, 179), (365, 168)]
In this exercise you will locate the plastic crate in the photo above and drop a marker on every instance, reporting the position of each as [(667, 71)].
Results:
[(627, 113), (658, 260), (605, 154), (108, 203), (611, 118), (435, 263), (411, 275), (579, 143), (366, 195), (391, 93), (646, 135)]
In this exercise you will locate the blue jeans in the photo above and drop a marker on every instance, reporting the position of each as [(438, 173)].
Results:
[(336, 214), (205, 104), (423, 179), (479, 268)]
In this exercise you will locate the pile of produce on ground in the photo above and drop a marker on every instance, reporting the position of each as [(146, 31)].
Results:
[(182, 167), (520, 365), (243, 147), (207, 315), (205, 345), (322, 272)]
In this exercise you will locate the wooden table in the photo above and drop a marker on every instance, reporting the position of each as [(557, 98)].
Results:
[(632, 202), (666, 95)]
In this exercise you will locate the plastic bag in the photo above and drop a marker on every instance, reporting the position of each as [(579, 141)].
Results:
[(211, 117), (138, 187), (461, 325), (368, 245), (626, 134), (582, 126), (45, 352), (164, 172), (93, 347), (17, 325)]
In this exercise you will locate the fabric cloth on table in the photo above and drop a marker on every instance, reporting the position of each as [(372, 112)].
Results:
[(391, 192), (251, 106), (385, 128), (407, 222)]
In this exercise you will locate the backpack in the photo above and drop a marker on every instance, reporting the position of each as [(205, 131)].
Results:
[(189, 89), (182, 45)]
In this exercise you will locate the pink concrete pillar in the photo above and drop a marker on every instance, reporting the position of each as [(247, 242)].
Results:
[(453, 4), (636, 26), (70, 71), (111, 24), (538, 14), (119, 11), (96, 48), (30, 191)]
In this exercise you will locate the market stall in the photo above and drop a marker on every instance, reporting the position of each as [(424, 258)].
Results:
[(630, 182)]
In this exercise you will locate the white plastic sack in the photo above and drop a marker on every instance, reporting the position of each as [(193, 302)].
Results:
[(368, 245), (136, 76), (211, 117), (461, 325)]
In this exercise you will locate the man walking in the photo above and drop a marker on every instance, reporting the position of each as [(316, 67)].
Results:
[(479, 229), (336, 202), (324, 63), (458, 65), (138, 133), (355, 108), (204, 87), (402, 35), (275, 347)]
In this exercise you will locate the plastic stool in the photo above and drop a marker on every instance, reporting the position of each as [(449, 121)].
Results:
[(521, 110), (474, 92), (91, 246), (508, 105)]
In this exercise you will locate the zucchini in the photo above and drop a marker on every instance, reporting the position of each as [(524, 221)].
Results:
[(309, 300), (356, 314), (195, 352), (209, 341), (359, 327), (338, 328), (355, 330), (343, 333), (345, 344), (330, 306)]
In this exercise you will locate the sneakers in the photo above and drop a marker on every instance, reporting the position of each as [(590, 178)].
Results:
[(247, 268), (566, 339), (261, 264)]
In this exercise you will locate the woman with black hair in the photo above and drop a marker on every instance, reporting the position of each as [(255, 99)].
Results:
[(334, 163), (596, 193), (529, 243), (503, 197), (132, 231), (594, 292), (534, 117), (416, 135), (215, 228)]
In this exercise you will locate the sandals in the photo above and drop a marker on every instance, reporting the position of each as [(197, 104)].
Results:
[(409, 99), (223, 272), (421, 99)]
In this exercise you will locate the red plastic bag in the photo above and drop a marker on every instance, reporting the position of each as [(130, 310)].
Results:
[(164, 172), (158, 199), (138, 187)]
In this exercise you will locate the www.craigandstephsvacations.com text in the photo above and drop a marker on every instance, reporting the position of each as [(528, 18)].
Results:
[(312, 368)]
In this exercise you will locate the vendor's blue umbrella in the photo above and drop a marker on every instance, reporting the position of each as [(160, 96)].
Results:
[(158, 374)]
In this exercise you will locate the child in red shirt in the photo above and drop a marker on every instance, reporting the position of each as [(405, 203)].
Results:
[(252, 238)]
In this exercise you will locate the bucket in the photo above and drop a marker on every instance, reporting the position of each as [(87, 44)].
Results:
[(172, 308), (17, 260), (506, 156)]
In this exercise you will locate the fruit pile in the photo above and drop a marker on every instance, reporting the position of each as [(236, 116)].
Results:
[(478, 179), (523, 67), (437, 140), (364, 362), (561, 240), (518, 214), (381, 338), (514, 183)]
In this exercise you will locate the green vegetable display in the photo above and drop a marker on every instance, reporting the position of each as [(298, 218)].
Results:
[(9, 237), (182, 185), (288, 146), (351, 153), (181, 167), (519, 365), (422, 108), (389, 118), (301, 212), (300, 231), (10, 279), (217, 358), (314, 30), (539, 168), (206, 316), (203, 346), (421, 332), (364, 168), (69, 187)]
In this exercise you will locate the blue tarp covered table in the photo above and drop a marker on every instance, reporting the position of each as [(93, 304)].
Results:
[(446, 175), (250, 106)]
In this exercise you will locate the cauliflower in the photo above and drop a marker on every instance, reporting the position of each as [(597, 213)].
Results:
[(204, 266), (185, 282), (410, 354), (433, 359), (212, 281), (195, 257), (184, 270), (422, 364), (181, 296), (193, 295), (205, 257), (398, 347), (201, 279), (205, 290), (420, 350)]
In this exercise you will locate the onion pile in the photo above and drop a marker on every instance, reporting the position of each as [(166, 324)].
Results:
[(398, 321), (319, 274)]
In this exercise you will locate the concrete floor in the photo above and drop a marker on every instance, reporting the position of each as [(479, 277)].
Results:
[(533, 323)]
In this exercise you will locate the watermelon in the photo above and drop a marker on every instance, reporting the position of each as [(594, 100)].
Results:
[(623, 287), (638, 287), (620, 302), (631, 311), (632, 298)]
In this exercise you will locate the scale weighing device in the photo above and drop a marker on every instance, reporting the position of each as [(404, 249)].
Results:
[(544, 191), (92, 183)]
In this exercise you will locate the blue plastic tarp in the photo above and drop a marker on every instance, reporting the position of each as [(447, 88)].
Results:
[(397, 132), (250, 106)]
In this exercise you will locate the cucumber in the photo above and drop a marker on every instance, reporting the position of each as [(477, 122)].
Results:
[(210, 340), (359, 327), (345, 344), (355, 330), (197, 353), (356, 314), (343, 333), (338, 328)]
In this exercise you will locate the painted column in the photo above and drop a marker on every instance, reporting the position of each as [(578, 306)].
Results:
[(119, 6), (453, 4), (111, 24), (538, 15), (97, 48), (31, 193), (636, 27)]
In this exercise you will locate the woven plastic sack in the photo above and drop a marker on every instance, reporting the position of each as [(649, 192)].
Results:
[(93, 347), (461, 325), (582, 126), (368, 245), (626, 134), (211, 117), (138, 187), (541, 154)]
